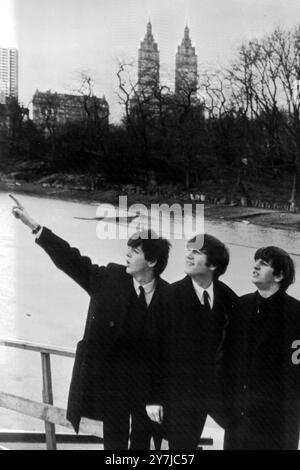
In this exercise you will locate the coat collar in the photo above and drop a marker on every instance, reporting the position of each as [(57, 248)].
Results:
[(275, 318), (188, 294), (191, 299), (125, 292)]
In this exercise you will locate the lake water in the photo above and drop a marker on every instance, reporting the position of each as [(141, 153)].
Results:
[(41, 304)]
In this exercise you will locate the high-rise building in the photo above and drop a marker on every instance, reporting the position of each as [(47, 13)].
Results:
[(148, 63), (8, 73), (186, 68)]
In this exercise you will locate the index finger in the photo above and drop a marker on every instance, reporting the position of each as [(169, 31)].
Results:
[(16, 201)]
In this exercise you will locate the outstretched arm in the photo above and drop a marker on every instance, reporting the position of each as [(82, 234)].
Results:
[(68, 259)]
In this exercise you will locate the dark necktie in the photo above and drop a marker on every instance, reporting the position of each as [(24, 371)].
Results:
[(142, 298), (206, 301)]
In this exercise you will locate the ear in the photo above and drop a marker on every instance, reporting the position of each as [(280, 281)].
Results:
[(212, 268), (279, 277), (151, 264)]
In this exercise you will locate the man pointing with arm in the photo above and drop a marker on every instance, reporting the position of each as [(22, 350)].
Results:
[(112, 371)]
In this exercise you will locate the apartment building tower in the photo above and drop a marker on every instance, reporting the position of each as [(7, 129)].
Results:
[(148, 63), (8, 73), (186, 68)]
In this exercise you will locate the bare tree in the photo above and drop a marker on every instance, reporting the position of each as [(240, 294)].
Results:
[(263, 79), (94, 124), (46, 113), (144, 105)]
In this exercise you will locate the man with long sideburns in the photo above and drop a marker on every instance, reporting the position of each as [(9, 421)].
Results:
[(113, 363), (191, 320)]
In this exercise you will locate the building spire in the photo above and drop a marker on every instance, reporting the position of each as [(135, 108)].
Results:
[(186, 69), (149, 35), (148, 61), (186, 41)]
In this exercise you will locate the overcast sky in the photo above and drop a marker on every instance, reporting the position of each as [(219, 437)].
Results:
[(57, 38)]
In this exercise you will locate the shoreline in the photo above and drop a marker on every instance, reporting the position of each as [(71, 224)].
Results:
[(275, 219)]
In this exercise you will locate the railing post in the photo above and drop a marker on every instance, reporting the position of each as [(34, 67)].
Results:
[(48, 398)]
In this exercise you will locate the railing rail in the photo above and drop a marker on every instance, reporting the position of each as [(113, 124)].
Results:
[(49, 413), (45, 410), (37, 347)]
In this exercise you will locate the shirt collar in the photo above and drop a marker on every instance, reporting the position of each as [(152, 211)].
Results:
[(148, 288), (200, 291)]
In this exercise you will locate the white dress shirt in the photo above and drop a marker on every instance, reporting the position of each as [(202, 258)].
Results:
[(200, 293), (148, 289)]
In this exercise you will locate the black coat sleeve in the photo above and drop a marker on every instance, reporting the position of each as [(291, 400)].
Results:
[(69, 260), (291, 328)]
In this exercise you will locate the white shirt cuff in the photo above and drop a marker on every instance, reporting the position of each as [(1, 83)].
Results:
[(39, 233)]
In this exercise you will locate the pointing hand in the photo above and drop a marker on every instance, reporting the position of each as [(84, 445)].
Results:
[(20, 213)]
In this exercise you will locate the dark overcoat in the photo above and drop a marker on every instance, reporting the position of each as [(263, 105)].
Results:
[(189, 344), (262, 380), (94, 385)]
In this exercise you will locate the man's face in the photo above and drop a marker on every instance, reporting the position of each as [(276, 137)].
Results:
[(136, 262), (263, 275), (196, 263)]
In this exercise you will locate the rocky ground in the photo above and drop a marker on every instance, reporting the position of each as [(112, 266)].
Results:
[(253, 215), (81, 193)]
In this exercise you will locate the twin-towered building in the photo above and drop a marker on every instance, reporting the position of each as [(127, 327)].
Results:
[(68, 107), (60, 108), (186, 66)]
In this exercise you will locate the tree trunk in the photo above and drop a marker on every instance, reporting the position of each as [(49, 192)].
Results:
[(294, 192), (187, 178)]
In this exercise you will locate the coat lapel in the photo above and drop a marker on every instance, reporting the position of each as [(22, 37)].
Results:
[(125, 292), (275, 323), (188, 295), (221, 303), (160, 283)]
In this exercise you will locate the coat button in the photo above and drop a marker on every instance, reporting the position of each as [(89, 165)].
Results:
[(111, 324)]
